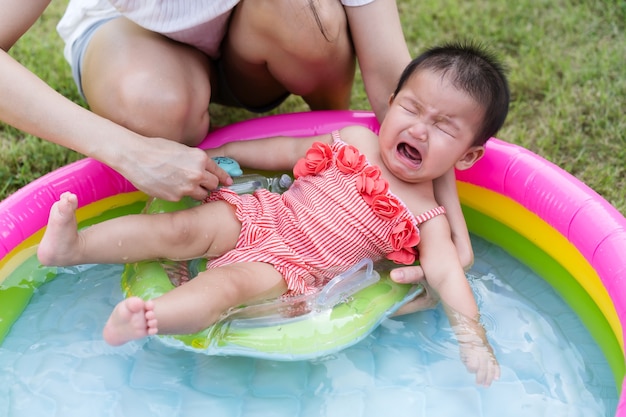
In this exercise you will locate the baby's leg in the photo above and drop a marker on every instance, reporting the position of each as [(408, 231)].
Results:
[(207, 230), (200, 302), (131, 319)]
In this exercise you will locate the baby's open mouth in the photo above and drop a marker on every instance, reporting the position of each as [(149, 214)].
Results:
[(410, 153)]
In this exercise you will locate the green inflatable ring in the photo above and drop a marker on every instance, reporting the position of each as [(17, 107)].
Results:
[(341, 314)]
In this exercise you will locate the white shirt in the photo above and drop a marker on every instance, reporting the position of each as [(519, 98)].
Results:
[(194, 22)]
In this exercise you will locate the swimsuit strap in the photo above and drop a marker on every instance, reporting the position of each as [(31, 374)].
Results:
[(430, 214), (336, 136)]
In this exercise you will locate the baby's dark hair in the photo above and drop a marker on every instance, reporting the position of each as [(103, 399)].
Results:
[(472, 69)]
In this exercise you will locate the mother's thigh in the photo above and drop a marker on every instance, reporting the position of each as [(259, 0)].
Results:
[(147, 82), (296, 46)]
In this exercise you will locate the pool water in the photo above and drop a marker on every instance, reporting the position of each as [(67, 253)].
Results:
[(55, 363)]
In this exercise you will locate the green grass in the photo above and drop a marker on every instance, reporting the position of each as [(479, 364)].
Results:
[(566, 64)]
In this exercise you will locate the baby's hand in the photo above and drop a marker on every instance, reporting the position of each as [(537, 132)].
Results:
[(476, 352), (477, 356)]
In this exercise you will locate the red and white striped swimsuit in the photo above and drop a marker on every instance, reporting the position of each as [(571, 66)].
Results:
[(337, 212)]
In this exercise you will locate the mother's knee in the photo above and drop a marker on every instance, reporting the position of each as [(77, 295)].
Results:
[(148, 105), (147, 83)]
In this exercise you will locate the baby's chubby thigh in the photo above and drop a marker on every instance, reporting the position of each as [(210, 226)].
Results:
[(208, 230)]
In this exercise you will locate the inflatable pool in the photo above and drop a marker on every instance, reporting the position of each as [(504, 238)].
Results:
[(537, 212)]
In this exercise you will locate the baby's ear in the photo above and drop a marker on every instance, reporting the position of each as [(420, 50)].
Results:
[(470, 157)]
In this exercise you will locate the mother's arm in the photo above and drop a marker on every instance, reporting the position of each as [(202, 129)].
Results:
[(157, 166), (381, 49)]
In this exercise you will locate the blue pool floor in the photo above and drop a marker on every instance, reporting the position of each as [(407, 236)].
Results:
[(55, 363)]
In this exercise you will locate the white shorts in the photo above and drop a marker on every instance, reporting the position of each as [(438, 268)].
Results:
[(194, 24)]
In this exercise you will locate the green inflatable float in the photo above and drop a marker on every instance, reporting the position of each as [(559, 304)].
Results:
[(341, 314)]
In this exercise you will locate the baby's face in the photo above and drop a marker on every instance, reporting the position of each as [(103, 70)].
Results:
[(430, 125)]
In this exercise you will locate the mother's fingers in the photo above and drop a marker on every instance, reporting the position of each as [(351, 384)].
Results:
[(408, 274), (218, 174), (211, 175)]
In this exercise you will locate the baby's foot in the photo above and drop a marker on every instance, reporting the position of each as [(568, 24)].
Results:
[(60, 240), (132, 319)]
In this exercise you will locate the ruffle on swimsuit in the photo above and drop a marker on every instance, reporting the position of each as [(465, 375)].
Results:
[(338, 211), (374, 189)]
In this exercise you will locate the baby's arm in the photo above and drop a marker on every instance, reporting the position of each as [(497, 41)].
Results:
[(272, 154), (281, 153), (447, 195), (445, 276)]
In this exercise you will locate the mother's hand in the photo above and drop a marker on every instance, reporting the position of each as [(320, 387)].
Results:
[(408, 275), (415, 275), (170, 170)]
